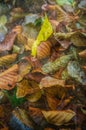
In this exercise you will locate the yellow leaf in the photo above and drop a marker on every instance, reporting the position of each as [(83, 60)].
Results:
[(44, 34)]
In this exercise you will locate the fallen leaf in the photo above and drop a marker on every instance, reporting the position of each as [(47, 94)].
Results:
[(54, 66), (24, 68), (50, 81), (9, 77), (58, 117), (8, 42), (29, 88), (43, 35), (7, 60)]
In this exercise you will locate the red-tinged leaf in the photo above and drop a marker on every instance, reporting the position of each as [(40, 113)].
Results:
[(8, 42), (9, 77)]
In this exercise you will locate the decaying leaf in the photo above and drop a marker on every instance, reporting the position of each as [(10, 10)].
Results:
[(8, 42), (75, 71), (9, 77), (78, 39), (51, 67), (58, 117), (7, 60), (50, 81), (43, 35)]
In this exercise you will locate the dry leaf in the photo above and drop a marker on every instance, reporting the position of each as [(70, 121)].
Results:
[(9, 77), (36, 114), (82, 54), (50, 81), (58, 117), (43, 50), (7, 60), (52, 101), (30, 88), (24, 68), (8, 42)]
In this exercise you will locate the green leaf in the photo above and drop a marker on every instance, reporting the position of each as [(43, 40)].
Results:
[(44, 34), (3, 20), (62, 2)]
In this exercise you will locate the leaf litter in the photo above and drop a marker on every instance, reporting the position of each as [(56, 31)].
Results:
[(42, 65)]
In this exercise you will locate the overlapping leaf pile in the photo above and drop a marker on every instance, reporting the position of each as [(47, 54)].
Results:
[(43, 66)]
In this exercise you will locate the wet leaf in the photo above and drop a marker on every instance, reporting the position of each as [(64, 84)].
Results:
[(43, 35), (75, 71), (58, 117), (7, 60), (9, 77)]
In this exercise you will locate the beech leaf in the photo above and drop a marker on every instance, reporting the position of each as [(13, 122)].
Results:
[(9, 77), (43, 35), (58, 117)]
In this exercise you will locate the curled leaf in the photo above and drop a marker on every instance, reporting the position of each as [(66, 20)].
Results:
[(58, 117), (9, 77)]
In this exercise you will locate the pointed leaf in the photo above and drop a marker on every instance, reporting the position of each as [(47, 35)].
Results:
[(43, 35)]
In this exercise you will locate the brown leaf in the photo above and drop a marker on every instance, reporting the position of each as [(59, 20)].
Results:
[(30, 88), (43, 50), (7, 60), (36, 114), (82, 54), (24, 68), (50, 81), (58, 117), (52, 101), (1, 112), (8, 42), (9, 77)]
